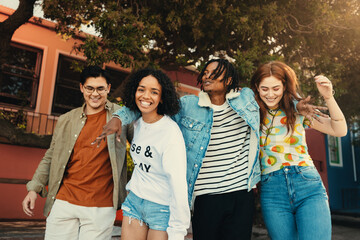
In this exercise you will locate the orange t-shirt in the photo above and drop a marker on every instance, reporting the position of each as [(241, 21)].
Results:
[(88, 176)]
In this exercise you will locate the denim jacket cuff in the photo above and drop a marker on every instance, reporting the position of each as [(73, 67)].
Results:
[(125, 120)]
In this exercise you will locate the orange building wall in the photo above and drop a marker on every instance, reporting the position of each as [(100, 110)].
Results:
[(43, 36), (46, 39), (18, 163)]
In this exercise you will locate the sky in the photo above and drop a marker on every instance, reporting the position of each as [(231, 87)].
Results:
[(38, 12), (15, 3)]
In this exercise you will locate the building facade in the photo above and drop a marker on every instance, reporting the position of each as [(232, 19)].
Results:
[(38, 85)]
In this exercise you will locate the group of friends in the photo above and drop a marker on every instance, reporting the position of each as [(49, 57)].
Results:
[(196, 159)]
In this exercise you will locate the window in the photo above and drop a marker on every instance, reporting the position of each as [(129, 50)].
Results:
[(116, 79), (21, 73), (67, 93), (335, 153)]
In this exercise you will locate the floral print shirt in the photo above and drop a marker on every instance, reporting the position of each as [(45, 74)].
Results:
[(278, 148)]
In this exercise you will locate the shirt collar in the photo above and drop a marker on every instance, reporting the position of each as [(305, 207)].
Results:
[(204, 99), (83, 114)]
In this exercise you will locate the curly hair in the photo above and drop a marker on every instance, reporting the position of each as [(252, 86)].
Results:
[(169, 103), (223, 66), (287, 76)]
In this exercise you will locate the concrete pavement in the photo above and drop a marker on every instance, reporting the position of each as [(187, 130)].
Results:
[(344, 228)]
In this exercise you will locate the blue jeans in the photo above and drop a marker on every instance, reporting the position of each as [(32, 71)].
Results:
[(156, 216), (295, 204)]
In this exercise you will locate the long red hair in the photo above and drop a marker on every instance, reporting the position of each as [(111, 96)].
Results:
[(287, 76)]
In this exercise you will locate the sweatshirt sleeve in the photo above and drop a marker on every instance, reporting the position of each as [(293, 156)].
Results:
[(126, 115), (174, 164)]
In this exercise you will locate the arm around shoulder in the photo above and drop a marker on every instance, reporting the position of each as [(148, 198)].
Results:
[(126, 115), (186, 102)]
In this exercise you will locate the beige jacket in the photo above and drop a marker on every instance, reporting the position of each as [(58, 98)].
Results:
[(50, 171)]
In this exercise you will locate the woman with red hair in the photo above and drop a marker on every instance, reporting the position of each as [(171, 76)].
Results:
[(293, 198)]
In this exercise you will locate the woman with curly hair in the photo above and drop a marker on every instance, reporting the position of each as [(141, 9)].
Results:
[(157, 189), (293, 198)]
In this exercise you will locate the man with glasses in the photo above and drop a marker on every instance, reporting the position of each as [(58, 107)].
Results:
[(86, 184)]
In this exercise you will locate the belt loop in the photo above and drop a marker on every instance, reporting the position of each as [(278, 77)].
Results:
[(297, 169)]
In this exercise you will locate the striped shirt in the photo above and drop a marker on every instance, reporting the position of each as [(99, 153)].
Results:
[(225, 164)]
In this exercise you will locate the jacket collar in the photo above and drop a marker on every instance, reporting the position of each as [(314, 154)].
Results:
[(204, 99), (108, 107)]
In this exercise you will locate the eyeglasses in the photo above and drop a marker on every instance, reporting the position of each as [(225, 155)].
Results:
[(99, 90)]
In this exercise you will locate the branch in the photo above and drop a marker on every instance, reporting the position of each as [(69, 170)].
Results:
[(340, 27), (297, 21), (294, 30), (22, 14), (300, 25)]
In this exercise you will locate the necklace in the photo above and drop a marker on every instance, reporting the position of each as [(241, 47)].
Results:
[(273, 111), (268, 130)]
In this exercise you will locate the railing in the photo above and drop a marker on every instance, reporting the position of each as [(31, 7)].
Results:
[(31, 122)]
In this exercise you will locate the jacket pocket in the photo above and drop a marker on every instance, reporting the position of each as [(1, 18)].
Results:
[(191, 129)]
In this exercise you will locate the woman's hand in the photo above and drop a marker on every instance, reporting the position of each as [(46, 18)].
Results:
[(324, 86), (310, 111)]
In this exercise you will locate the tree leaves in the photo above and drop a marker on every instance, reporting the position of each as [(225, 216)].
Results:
[(312, 36)]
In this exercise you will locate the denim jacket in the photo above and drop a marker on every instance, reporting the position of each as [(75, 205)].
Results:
[(195, 120)]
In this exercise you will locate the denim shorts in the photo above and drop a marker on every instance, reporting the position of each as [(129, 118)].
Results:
[(154, 215)]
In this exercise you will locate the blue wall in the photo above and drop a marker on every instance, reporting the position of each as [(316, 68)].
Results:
[(344, 191)]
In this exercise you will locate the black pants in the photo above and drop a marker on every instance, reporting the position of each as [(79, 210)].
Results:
[(227, 216)]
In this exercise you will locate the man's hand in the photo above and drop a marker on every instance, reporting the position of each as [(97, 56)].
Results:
[(29, 203), (310, 111), (114, 125)]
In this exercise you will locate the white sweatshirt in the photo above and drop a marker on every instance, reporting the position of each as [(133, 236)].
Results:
[(159, 154)]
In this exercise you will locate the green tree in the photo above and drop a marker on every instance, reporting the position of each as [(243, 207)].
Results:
[(167, 33), (323, 37), (313, 36)]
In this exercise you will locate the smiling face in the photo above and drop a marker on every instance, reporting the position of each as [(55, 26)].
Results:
[(271, 91), (148, 97), (95, 102)]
